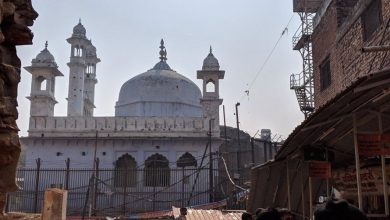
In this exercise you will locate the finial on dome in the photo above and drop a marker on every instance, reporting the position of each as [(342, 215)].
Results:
[(210, 62), (46, 45), (79, 20), (163, 51)]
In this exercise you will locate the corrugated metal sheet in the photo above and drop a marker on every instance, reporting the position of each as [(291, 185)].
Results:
[(167, 214), (200, 214)]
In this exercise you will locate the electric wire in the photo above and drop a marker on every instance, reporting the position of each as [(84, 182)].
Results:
[(228, 174), (267, 59)]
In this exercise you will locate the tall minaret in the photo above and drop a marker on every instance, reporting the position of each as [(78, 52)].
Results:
[(90, 80), (77, 67), (43, 70), (210, 74)]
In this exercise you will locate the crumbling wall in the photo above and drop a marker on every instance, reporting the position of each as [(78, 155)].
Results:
[(15, 18)]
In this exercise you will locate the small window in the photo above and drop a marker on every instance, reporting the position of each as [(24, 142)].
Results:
[(210, 86), (371, 19), (325, 74), (41, 83)]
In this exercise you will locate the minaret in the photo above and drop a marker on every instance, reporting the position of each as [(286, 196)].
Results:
[(77, 67), (43, 70), (210, 74), (90, 80)]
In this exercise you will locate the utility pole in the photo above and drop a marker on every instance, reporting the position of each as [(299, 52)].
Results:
[(238, 139), (224, 123)]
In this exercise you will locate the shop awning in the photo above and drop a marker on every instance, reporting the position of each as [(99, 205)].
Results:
[(330, 128)]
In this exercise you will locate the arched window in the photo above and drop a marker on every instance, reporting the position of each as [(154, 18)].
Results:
[(41, 83), (125, 171), (157, 172), (210, 86), (186, 160)]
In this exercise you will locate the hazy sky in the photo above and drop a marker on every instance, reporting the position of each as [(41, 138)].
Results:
[(127, 34)]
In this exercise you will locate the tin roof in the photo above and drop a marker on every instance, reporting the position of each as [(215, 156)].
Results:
[(210, 214)]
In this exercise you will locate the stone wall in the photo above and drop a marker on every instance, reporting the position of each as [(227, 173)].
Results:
[(339, 35), (15, 17), (119, 126)]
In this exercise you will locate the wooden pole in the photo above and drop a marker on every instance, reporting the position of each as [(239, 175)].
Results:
[(67, 173), (36, 194), (303, 195), (288, 185), (211, 179), (357, 162), (384, 175), (310, 198)]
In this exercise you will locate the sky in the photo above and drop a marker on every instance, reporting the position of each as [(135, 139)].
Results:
[(127, 35)]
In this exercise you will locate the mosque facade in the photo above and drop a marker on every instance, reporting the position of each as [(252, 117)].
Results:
[(162, 119)]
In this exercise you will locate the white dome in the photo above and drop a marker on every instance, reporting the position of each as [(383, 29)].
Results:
[(159, 92), (44, 58)]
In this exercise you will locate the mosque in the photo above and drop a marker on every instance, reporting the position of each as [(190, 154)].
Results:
[(162, 119)]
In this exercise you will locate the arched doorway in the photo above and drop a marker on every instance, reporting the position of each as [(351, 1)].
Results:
[(125, 171), (157, 171)]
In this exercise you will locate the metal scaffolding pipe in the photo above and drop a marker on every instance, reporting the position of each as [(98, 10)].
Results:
[(375, 48)]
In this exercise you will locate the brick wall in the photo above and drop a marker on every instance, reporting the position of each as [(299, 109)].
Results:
[(324, 38), (339, 34)]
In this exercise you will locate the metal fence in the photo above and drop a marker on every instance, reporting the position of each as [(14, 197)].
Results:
[(95, 191)]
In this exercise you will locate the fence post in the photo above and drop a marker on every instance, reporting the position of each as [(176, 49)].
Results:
[(125, 192), (67, 173), (182, 188), (154, 184), (95, 185), (7, 202), (37, 185)]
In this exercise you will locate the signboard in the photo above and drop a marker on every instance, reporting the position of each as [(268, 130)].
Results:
[(319, 169), (369, 145), (386, 144), (371, 180)]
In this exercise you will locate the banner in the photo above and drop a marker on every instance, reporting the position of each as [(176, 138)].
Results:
[(371, 180), (319, 169), (369, 145), (386, 144)]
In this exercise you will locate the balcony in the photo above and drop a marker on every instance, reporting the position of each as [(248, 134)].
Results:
[(309, 6)]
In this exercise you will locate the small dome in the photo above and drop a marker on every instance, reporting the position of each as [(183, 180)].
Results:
[(44, 58), (210, 62), (79, 30)]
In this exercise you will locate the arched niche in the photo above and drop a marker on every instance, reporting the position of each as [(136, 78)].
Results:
[(125, 174), (157, 171)]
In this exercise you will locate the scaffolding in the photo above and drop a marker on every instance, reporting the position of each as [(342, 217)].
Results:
[(303, 82)]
